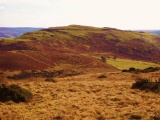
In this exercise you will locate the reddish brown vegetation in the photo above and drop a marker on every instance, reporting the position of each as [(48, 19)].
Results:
[(74, 49)]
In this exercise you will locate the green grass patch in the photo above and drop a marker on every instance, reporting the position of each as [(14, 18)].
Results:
[(8, 41), (126, 64)]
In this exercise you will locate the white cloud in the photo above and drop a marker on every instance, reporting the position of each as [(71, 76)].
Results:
[(2, 7), (124, 14)]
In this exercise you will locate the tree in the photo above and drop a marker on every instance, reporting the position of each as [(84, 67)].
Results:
[(103, 59)]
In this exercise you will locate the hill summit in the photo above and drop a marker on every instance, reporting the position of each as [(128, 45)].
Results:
[(81, 46)]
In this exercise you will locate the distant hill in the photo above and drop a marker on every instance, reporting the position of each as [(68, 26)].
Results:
[(7, 32), (150, 31), (80, 46)]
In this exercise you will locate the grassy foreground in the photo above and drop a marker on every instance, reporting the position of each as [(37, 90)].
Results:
[(84, 97)]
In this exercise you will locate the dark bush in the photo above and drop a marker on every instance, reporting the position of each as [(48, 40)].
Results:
[(57, 118), (102, 76), (146, 84), (140, 82), (146, 70), (22, 75), (14, 93), (50, 80), (125, 70), (156, 117), (132, 69), (151, 69), (44, 74), (100, 117), (135, 117), (103, 59)]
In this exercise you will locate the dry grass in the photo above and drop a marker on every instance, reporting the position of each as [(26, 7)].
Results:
[(84, 97)]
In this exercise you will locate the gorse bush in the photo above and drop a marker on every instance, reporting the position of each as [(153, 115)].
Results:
[(14, 93)]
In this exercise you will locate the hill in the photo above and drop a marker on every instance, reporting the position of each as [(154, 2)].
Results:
[(80, 46), (7, 32), (150, 31)]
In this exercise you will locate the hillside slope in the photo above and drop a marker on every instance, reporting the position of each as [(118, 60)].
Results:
[(81, 46)]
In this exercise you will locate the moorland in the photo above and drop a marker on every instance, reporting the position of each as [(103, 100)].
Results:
[(80, 73)]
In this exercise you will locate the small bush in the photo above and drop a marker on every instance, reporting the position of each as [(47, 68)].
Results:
[(102, 76), (57, 118), (14, 93), (103, 59), (140, 82), (156, 117), (132, 69), (50, 80), (135, 117), (124, 70), (100, 117)]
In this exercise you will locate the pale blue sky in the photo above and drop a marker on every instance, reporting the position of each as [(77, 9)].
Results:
[(122, 14)]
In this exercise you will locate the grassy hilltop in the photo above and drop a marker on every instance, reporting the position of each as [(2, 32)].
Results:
[(81, 46)]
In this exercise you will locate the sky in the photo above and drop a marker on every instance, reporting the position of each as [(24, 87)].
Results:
[(121, 14)]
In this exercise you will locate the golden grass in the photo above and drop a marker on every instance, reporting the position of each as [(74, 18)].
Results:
[(84, 97)]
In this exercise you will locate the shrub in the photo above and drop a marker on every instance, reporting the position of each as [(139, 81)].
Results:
[(146, 70), (102, 76), (124, 70), (103, 59), (157, 117), (100, 117), (151, 69), (132, 69), (22, 75), (57, 118), (50, 80), (140, 82), (14, 93), (135, 117), (146, 84), (44, 74)]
